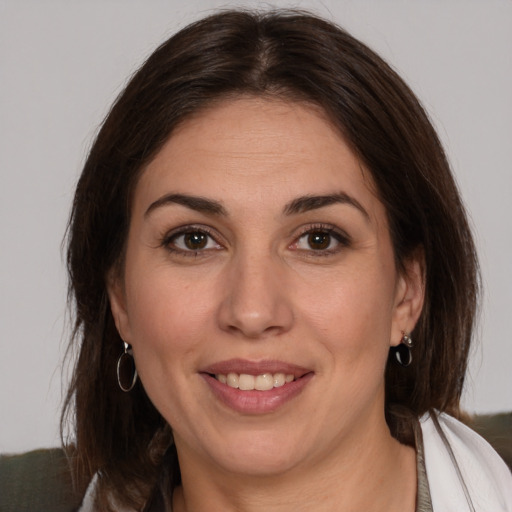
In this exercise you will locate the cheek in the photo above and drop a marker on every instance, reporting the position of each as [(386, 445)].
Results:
[(353, 319), (167, 330), (167, 321), (354, 307), (163, 307)]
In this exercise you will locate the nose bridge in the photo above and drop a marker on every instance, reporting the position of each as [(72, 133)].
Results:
[(255, 302)]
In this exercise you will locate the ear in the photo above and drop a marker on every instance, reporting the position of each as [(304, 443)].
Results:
[(409, 296), (117, 297)]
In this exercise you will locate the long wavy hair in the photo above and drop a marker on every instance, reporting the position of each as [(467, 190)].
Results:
[(295, 56)]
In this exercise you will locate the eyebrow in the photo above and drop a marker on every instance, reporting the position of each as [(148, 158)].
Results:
[(310, 202), (197, 203), (299, 205)]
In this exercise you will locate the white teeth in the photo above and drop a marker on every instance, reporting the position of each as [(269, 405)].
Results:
[(279, 380), (246, 382), (263, 382), (232, 380)]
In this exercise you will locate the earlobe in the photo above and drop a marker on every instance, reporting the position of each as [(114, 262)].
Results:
[(117, 299), (410, 295)]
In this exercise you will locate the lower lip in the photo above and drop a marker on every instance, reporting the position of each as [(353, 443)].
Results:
[(256, 402)]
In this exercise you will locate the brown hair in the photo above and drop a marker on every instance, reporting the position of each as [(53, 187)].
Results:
[(298, 57)]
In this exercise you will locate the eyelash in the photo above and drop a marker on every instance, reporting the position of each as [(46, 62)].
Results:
[(170, 238), (342, 239)]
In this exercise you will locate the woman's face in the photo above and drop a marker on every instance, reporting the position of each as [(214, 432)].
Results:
[(259, 253)]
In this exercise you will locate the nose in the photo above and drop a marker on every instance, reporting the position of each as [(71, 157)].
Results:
[(256, 301)]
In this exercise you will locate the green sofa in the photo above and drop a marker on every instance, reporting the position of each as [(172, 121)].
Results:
[(497, 429)]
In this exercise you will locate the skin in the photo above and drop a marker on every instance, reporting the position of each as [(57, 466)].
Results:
[(263, 289)]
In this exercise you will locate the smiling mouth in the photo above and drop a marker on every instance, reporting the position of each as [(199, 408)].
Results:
[(256, 387), (262, 382)]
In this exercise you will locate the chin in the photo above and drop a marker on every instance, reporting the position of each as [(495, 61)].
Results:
[(259, 464), (260, 455)]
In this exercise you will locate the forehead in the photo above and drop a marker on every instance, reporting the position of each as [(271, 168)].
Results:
[(249, 149)]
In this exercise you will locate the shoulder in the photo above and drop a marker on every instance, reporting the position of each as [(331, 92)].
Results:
[(39, 481), (462, 467)]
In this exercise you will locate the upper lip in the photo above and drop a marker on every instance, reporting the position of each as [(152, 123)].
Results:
[(255, 367)]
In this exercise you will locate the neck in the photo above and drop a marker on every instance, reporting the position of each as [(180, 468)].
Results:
[(368, 474)]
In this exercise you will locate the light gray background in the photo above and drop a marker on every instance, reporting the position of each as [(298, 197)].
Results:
[(61, 65)]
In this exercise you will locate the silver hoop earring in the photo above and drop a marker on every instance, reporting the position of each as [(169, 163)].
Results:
[(126, 371), (403, 353)]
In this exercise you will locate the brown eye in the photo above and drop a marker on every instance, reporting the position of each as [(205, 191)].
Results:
[(191, 242), (195, 241), (319, 240)]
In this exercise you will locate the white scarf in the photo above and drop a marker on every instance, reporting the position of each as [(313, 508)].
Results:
[(464, 472)]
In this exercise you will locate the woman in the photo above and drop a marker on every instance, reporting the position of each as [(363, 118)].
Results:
[(275, 285)]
